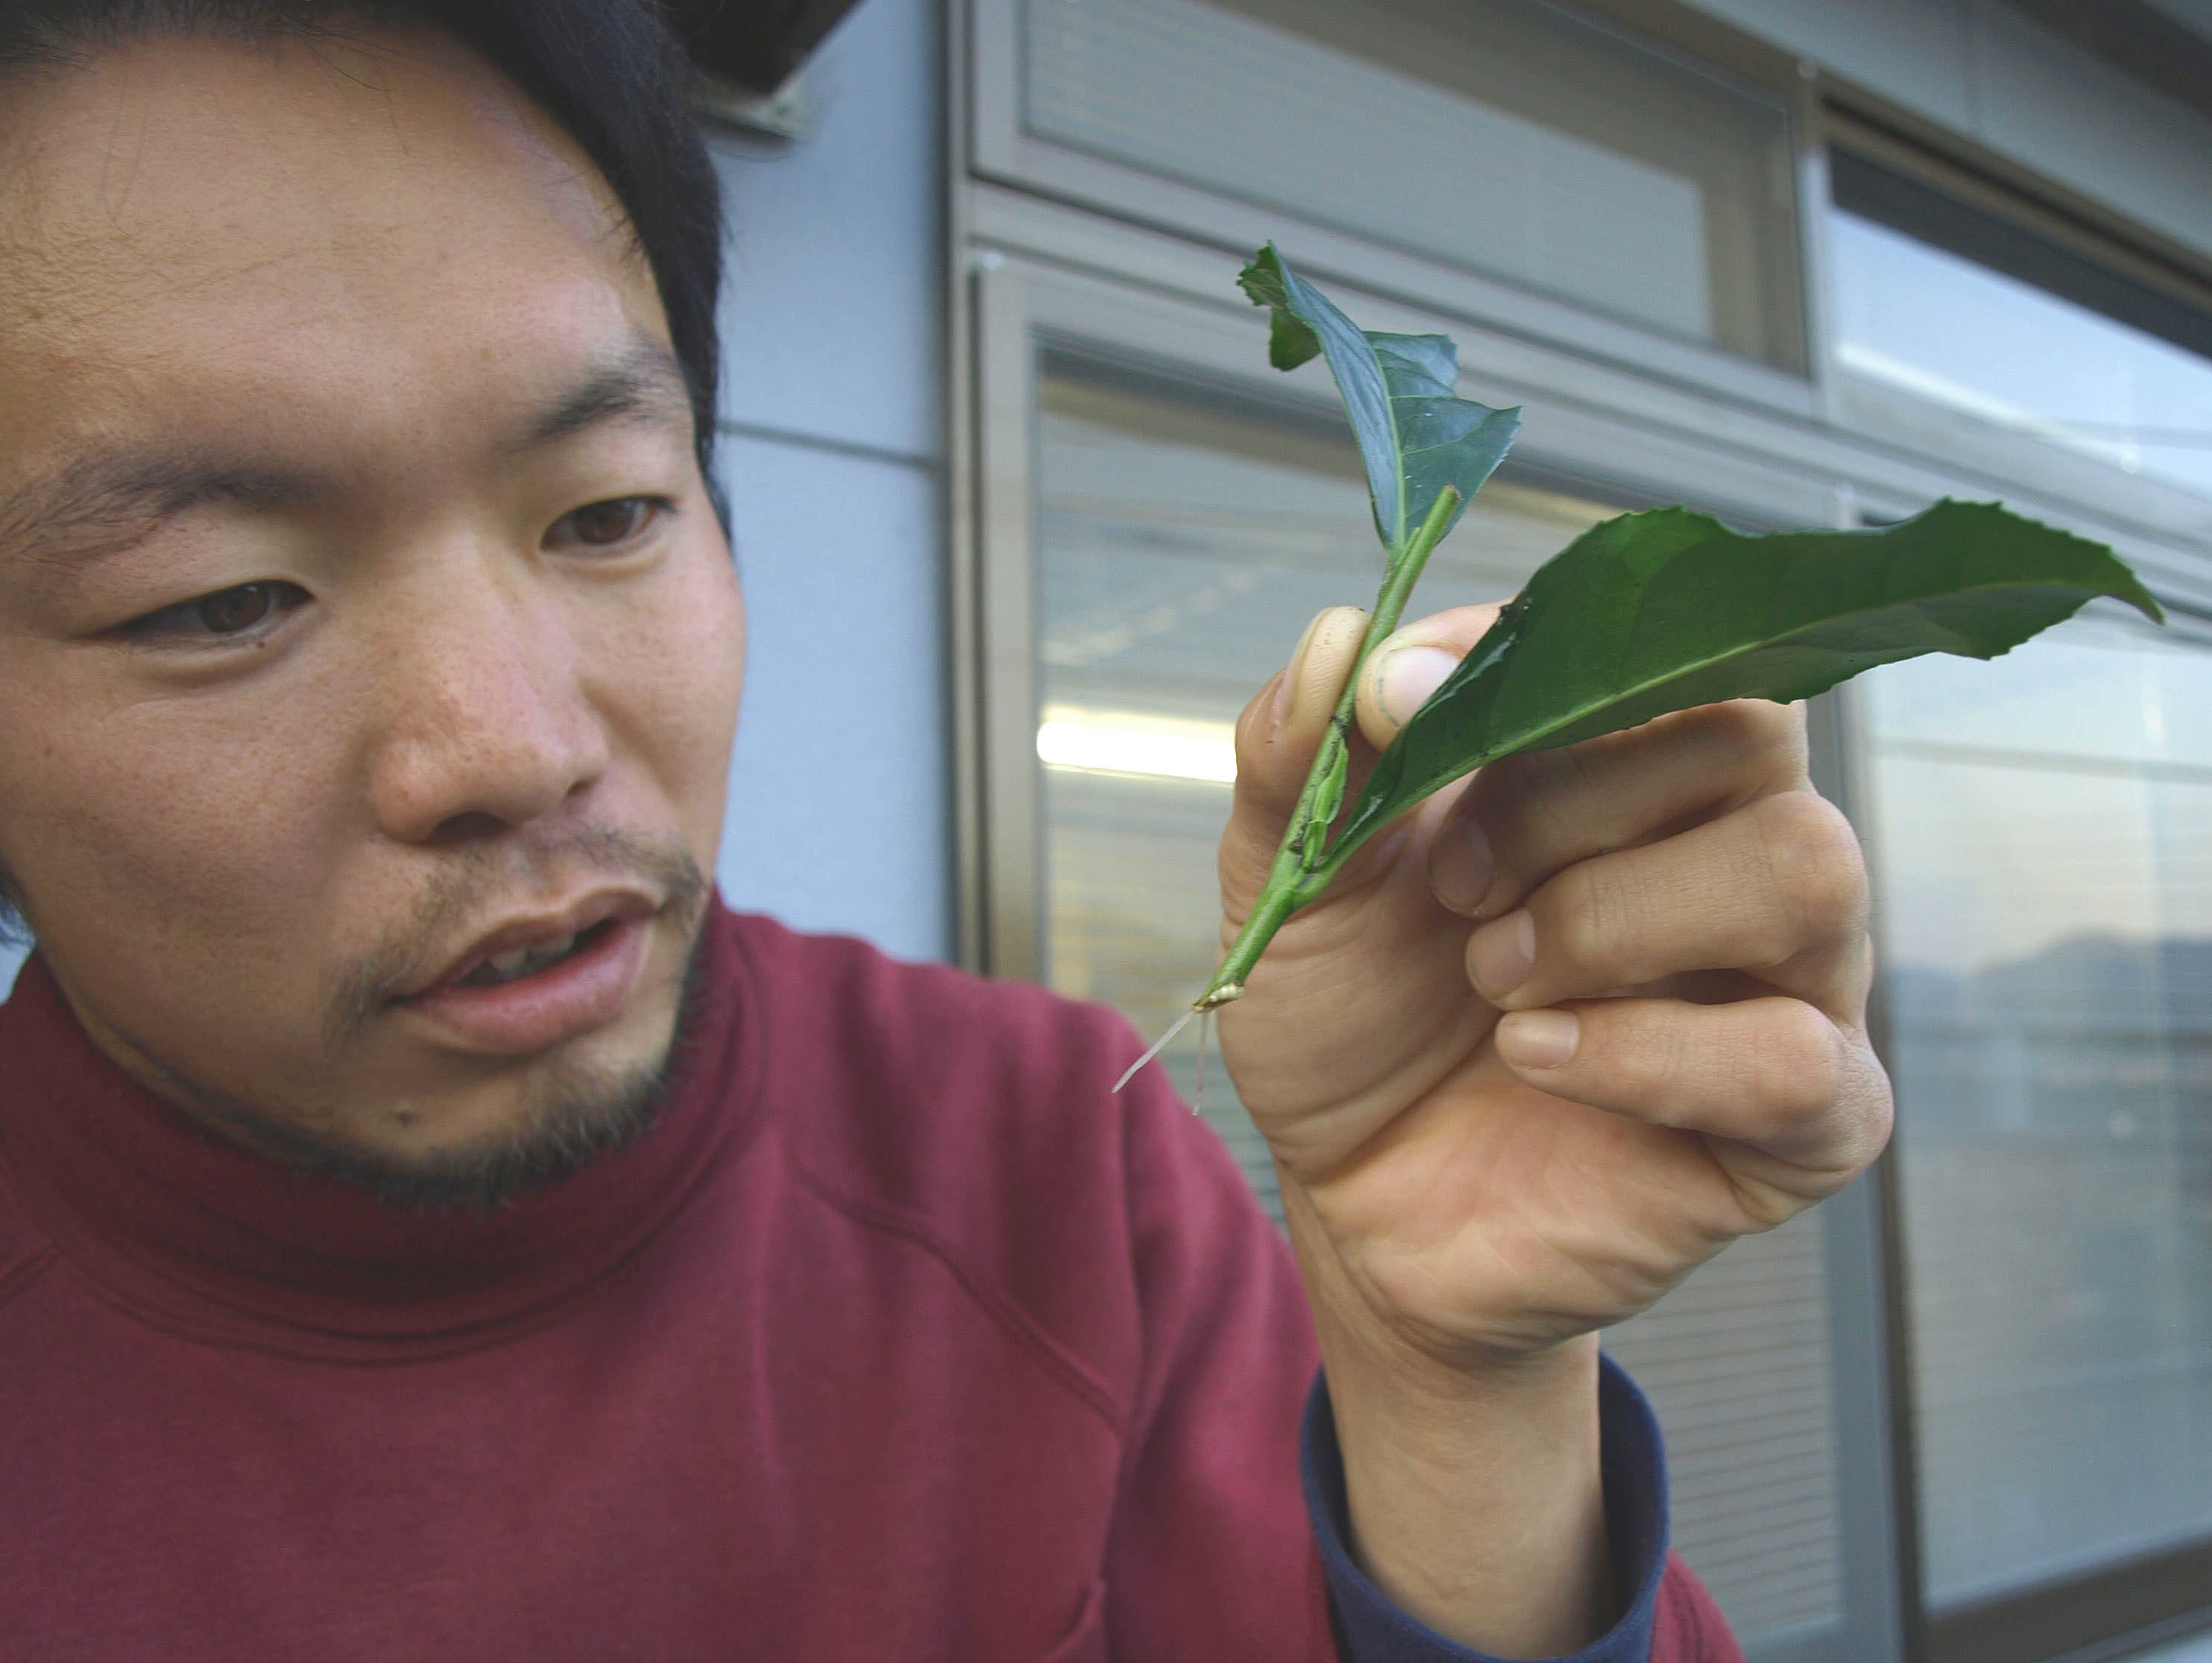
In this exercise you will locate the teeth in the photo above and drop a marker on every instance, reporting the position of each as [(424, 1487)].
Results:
[(507, 966), (541, 955)]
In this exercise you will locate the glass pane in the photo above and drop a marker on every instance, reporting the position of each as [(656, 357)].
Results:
[(1185, 547), (2042, 832), (1947, 329), (1185, 544), (1488, 134), (1737, 1360)]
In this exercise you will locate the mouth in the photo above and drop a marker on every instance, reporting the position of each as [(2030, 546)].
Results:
[(530, 946), (535, 983), (497, 970)]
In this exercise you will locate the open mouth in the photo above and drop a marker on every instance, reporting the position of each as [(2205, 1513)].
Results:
[(501, 968)]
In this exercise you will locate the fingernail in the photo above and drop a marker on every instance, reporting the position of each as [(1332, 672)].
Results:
[(1461, 866), (1501, 954), (1407, 676), (1289, 684), (1539, 1038)]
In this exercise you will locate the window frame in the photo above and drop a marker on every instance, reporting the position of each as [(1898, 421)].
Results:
[(1018, 307), (1048, 244), (1001, 150), (2164, 526)]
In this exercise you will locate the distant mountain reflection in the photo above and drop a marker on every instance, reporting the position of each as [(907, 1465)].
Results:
[(2096, 1034)]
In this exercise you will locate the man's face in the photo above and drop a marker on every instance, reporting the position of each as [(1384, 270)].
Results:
[(361, 609)]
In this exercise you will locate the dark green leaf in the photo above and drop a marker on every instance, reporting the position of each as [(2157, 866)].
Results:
[(1415, 436), (1655, 612)]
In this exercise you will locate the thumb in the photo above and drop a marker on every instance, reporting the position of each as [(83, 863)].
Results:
[(1276, 737), (1410, 664)]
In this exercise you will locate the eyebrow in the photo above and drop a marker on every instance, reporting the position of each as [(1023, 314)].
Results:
[(100, 504), (642, 382)]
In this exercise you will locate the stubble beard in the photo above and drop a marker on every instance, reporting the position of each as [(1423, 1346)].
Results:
[(574, 1112)]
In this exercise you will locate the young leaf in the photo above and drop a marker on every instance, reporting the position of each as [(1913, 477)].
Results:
[(1415, 435), (1656, 612)]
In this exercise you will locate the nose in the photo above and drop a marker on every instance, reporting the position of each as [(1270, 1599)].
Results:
[(482, 715)]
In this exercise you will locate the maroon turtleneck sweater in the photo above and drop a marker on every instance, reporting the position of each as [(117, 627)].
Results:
[(896, 1337)]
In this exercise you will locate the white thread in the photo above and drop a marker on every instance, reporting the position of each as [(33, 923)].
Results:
[(1180, 1023)]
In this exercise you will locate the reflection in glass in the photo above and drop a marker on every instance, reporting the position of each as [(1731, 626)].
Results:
[(1184, 545), (2044, 839), (1949, 330), (1184, 550)]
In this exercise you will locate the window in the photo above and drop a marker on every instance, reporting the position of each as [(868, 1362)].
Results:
[(1561, 157), (2043, 831), (1932, 320), (1982, 1378), (1184, 542), (1164, 528)]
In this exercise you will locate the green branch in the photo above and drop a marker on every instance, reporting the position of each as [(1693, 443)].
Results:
[(1302, 865)]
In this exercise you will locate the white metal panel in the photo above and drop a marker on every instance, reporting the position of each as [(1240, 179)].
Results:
[(2198, 1648), (838, 808), (1264, 113), (1912, 51), (1984, 69), (2069, 114), (831, 314), (833, 386)]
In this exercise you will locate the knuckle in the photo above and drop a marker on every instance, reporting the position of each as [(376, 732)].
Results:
[(1645, 1057), (1555, 782), (1754, 738), (1768, 731), (1580, 915), (1533, 800), (1816, 872), (1799, 1065)]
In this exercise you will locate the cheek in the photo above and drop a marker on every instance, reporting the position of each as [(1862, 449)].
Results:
[(122, 829), (688, 665), (178, 874)]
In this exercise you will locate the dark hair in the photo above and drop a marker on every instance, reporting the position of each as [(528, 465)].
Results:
[(608, 71)]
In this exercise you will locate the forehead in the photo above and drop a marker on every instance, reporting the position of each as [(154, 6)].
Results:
[(197, 233)]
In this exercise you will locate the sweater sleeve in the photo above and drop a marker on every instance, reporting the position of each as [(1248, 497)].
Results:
[(1211, 1557), (1672, 1619)]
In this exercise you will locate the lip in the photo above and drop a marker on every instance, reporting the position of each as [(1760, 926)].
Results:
[(526, 933), (580, 993)]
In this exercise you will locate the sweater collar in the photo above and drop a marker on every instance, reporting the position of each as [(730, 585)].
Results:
[(203, 1238)]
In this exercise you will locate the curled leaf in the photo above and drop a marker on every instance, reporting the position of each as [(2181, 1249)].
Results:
[(1415, 435)]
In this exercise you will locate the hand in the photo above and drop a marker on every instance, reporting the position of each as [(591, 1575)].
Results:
[(1549, 1042)]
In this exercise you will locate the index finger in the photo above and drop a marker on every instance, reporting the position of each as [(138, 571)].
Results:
[(1525, 818)]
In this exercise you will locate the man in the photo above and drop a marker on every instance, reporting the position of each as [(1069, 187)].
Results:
[(431, 1227)]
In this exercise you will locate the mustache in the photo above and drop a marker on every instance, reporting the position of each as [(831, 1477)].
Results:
[(474, 879)]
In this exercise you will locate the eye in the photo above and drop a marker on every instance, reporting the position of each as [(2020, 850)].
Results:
[(602, 524), (229, 614)]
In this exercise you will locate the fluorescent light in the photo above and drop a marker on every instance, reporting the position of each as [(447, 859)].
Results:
[(1119, 742)]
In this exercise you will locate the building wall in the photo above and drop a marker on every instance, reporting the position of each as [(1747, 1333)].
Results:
[(839, 815), (1989, 72)]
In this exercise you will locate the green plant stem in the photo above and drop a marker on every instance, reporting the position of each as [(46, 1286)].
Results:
[(1304, 864)]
